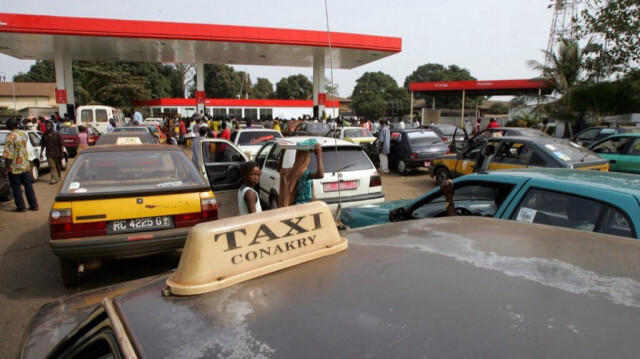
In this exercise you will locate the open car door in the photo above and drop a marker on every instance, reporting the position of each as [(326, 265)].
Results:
[(219, 162), (456, 145)]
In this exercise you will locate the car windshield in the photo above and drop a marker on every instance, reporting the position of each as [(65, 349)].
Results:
[(422, 137), (153, 129), (68, 131), (357, 132), (3, 137), (348, 159), (447, 130), (254, 138), (570, 152), (130, 129), (130, 172)]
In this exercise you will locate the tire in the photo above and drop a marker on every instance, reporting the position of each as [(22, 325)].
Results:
[(69, 273), (402, 167), (35, 171), (442, 174), (273, 201)]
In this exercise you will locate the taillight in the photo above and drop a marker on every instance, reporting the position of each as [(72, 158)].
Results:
[(413, 155), (375, 180), (208, 211), (61, 226), (444, 139), (448, 152)]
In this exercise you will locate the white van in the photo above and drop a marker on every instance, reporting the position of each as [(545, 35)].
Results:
[(98, 116)]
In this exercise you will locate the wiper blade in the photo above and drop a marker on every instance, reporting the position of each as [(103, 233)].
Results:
[(345, 167)]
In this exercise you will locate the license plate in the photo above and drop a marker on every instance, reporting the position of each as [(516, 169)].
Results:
[(334, 186), (139, 224), (427, 163)]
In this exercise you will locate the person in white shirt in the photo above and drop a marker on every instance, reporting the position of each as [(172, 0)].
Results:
[(137, 117)]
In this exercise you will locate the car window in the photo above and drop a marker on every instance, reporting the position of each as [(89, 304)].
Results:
[(273, 159), (472, 152), (86, 116), (478, 198), (349, 158), (446, 130), (357, 132), (261, 156), (422, 137), (3, 137), (616, 223), (606, 132), (34, 139), (109, 172), (516, 153), (318, 126), (634, 149), (69, 130), (613, 145), (101, 115), (255, 138), (588, 134), (559, 209), (569, 151)]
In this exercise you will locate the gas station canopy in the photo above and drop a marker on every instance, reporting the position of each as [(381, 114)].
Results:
[(483, 88), (31, 37)]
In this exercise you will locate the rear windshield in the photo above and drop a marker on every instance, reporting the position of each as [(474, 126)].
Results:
[(348, 159), (86, 116), (570, 152), (447, 130), (68, 131), (357, 132), (130, 172), (111, 140), (101, 115), (318, 127), (255, 138), (423, 138)]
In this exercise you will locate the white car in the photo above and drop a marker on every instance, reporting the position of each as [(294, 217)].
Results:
[(352, 180), (250, 140), (349, 176), (33, 149)]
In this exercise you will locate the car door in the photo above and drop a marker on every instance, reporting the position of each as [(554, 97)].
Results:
[(269, 175), (629, 159), (219, 162), (587, 136), (613, 149), (466, 162), (511, 154), (34, 150)]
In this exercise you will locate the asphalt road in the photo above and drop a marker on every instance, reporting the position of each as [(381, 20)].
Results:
[(29, 275)]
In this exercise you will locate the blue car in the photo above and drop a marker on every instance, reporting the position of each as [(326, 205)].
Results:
[(588, 200)]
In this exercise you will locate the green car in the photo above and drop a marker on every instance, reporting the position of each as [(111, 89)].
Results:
[(622, 151), (587, 200)]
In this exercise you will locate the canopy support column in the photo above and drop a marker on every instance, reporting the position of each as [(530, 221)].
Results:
[(411, 110), (319, 96), (464, 93), (64, 77), (200, 94)]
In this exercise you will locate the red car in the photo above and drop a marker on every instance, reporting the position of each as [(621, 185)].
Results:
[(70, 138)]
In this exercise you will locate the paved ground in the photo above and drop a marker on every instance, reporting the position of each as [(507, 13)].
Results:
[(29, 270)]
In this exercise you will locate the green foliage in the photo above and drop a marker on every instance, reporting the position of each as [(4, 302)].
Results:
[(331, 90), (615, 25), (295, 87), (523, 120), (377, 94), (435, 73), (222, 81), (262, 89), (41, 71), (603, 99), (498, 109)]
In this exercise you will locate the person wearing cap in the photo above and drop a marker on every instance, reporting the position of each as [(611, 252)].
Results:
[(17, 167)]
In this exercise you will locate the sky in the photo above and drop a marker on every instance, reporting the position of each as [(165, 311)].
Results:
[(493, 39)]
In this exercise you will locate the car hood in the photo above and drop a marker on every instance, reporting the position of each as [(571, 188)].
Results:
[(360, 139), (370, 215)]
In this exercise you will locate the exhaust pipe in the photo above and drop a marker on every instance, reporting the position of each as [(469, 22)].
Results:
[(80, 269)]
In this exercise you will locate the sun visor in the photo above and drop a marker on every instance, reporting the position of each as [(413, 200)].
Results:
[(221, 253)]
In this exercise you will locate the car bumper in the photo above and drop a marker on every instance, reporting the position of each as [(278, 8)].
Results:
[(115, 246)]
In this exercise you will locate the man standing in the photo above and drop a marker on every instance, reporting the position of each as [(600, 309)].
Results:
[(384, 146), (182, 131), (226, 134), (17, 167), (52, 143), (137, 117)]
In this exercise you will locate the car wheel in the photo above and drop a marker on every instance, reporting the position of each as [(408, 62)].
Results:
[(442, 174), (402, 167), (35, 171), (64, 163), (69, 273), (273, 201)]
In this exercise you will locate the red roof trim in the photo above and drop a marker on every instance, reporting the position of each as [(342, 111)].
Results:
[(478, 85), (218, 102), (62, 25)]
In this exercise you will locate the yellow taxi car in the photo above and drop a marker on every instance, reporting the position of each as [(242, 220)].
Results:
[(360, 136), (499, 153), (126, 201)]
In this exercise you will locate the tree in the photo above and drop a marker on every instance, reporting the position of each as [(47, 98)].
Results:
[(295, 87), (41, 71), (182, 79), (604, 98), (614, 25), (263, 88), (437, 72), (377, 94), (108, 84), (331, 90), (222, 81), (498, 108)]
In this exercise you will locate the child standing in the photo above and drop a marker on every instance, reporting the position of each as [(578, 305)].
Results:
[(248, 200)]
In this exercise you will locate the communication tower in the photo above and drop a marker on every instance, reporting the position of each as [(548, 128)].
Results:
[(562, 24)]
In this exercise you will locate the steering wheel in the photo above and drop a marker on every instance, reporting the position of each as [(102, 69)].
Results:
[(461, 211)]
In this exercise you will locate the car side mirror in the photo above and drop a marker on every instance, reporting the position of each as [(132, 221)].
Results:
[(398, 215)]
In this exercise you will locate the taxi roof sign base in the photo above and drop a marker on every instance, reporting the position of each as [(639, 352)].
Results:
[(222, 253)]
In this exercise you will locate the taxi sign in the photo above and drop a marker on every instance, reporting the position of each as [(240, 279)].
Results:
[(225, 252), (128, 141)]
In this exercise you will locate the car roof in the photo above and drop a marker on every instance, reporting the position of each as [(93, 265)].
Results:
[(412, 130), (541, 139), (140, 147), (612, 181), (464, 285), (323, 141), (256, 130)]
